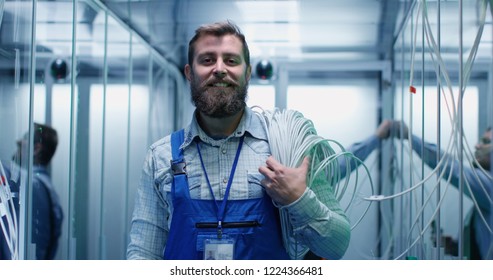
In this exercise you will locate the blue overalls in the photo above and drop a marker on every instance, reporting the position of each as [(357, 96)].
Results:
[(253, 224)]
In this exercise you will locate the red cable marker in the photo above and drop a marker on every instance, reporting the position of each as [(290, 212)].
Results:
[(412, 89)]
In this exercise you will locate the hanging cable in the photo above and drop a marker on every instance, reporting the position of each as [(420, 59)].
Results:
[(292, 138), (453, 149), (7, 210)]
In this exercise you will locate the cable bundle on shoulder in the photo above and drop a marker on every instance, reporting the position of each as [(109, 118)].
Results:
[(292, 137)]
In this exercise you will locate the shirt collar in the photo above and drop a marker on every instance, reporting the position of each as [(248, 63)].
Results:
[(251, 123)]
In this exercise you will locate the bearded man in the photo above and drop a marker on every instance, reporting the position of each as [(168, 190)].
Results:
[(214, 186)]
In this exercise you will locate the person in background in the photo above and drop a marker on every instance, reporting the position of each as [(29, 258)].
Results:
[(213, 184), (477, 176), (47, 215)]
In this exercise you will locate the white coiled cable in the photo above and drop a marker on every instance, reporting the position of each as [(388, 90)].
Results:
[(291, 138)]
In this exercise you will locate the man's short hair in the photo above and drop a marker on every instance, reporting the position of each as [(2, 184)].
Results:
[(218, 29), (48, 137)]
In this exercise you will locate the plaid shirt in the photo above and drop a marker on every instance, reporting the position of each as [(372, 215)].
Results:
[(323, 228)]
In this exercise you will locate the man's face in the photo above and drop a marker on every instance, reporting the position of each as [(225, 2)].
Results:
[(21, 154), (219, 76), (483, 150)]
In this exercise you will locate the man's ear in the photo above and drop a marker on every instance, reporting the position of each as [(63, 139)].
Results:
[(249, 72), (37, 148), (188, 72)]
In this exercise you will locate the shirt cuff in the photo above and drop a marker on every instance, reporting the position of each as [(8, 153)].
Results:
[(304, 209)]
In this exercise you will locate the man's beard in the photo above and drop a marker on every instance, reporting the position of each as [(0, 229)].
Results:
[(219, 102)]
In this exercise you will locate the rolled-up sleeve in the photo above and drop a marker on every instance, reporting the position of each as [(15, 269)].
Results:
[(322, 227)]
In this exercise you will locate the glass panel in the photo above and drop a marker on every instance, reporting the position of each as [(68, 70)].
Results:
[(138, 125), (90, 57), (346, 112), (114, 121), (262, 96), (435, 63), (163, 111), (107, 101), (16, 103), (53, 102)]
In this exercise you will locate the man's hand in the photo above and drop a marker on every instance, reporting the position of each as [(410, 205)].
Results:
[(284, 184), (390, 128)]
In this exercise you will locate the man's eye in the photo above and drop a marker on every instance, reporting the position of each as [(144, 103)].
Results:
[(233, 61), (206, 60)]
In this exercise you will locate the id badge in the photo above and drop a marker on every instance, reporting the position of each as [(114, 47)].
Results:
[(219, 249)]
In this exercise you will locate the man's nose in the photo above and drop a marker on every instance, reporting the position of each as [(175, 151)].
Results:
[(220, 69)]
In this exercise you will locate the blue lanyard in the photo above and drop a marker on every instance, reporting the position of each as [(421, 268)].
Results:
[(221, 208)]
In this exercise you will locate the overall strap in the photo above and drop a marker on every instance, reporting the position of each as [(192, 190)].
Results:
[(178, 165), (176, 141)]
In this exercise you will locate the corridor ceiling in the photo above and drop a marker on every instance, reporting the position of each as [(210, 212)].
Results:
[(282, 30), (305, 30)]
